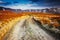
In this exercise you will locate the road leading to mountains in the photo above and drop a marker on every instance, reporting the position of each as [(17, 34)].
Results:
[(27, 29)]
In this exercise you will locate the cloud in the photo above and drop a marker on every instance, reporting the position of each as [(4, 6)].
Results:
[(1, 2), (46, 2), (24, 6), (29, 3)]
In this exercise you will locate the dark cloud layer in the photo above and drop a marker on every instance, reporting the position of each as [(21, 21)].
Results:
[(47, 2), (39, 3)]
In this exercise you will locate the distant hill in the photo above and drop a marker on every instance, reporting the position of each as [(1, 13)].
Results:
[(15, 10), (1, 8)]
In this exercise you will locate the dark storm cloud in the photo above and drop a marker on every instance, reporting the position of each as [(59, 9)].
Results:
[(54, 2), (46, 2)]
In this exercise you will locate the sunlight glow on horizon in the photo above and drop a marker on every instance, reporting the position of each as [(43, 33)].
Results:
[(25, 6)]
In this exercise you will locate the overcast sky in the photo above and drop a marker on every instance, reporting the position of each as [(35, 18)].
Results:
[(29, 4)]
